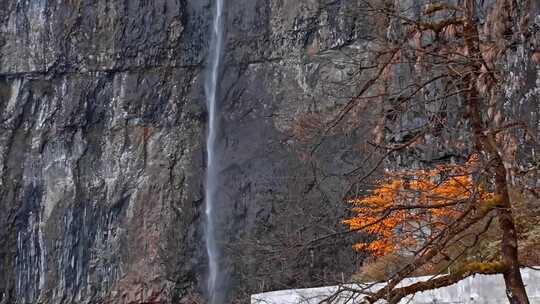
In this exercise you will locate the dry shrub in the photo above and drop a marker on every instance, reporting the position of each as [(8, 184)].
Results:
[(307, 127), (380, 268), (527, 213)]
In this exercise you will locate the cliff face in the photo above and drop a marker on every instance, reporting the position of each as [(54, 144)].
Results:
[(100, 154), (102, 131), (101, 148)]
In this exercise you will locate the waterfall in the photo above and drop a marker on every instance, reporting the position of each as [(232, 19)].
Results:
[(211, 85)]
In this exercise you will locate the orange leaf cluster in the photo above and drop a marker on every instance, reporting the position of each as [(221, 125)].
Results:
[(406, 208)]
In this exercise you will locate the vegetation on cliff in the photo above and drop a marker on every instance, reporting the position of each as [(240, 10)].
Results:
[(439, 95)]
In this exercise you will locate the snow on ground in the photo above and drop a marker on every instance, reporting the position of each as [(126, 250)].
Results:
[(480, 289)]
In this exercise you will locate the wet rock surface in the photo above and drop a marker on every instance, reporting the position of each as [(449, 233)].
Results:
[(102, 146)]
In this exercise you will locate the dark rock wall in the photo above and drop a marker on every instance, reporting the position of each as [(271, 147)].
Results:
[(102, 127), (97, 170)]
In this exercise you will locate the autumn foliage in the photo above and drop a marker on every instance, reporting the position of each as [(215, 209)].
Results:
[(453, 220), (406, 208)]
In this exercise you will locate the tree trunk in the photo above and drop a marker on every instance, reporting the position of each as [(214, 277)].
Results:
[(515, 289), (485, 142)]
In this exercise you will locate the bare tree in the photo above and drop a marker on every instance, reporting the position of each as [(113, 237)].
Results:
[(434, 86)]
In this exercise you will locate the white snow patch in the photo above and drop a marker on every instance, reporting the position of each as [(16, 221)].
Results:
[(480, 289)]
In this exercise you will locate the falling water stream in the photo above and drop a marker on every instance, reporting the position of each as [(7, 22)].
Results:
[(211, 85)]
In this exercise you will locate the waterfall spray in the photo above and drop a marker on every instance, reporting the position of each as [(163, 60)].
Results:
[(211, 85)]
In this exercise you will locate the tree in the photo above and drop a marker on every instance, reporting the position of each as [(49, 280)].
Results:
[(436, 82), (411, 207)]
